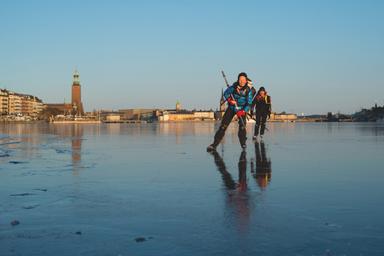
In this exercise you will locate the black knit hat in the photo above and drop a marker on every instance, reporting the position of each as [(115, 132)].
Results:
[(242, 74), (261, 89)]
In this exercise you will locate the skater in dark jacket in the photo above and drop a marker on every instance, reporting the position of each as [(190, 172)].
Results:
[(239, 98), (262, 105)]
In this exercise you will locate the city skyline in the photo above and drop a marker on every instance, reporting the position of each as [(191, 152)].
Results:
[(312, 57)]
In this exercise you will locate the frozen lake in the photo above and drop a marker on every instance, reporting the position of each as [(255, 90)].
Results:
[(124, 189)]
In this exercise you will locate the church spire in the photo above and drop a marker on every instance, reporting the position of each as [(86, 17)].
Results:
[(76, 77)]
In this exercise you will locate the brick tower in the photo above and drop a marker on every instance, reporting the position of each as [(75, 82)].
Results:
[(77, 105)]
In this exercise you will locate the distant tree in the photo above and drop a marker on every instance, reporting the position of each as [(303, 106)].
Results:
[(48, 112)]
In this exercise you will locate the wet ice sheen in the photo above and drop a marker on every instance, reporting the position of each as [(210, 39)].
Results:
[(307, 189)]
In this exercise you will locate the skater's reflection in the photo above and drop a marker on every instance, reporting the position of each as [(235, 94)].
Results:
[(263, 166), (237, 194), (228, 181), (242, 186)]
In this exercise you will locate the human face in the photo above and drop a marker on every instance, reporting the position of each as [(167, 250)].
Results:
[(262, 93), (242, 81)]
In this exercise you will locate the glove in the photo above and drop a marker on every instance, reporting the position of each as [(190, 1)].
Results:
[(240, 113), (231, 101)]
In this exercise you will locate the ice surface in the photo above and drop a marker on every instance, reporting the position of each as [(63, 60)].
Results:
[(152, 189)]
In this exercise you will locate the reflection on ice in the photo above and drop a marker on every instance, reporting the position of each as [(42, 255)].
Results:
[(237, 198), (263, 164)]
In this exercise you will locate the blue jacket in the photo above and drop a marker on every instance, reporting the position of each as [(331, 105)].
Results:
[(242, 97)]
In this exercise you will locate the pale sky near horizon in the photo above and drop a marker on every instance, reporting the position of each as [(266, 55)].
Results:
[(312, 56)]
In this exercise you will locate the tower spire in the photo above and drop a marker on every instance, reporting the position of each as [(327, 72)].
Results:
[(76, 77)]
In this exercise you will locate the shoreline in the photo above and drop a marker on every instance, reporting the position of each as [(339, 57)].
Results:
[(168, 122)]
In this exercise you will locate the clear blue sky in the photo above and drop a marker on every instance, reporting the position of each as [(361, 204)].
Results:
[(312, 56)]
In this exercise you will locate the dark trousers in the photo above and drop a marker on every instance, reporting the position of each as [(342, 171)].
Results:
[(227, 119), (261, 119)]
